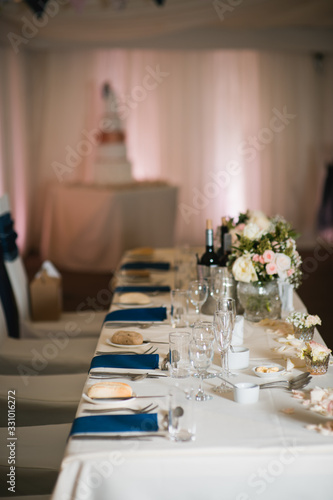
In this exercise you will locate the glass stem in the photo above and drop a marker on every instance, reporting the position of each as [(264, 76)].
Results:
[(223, 384), (200, 390), (226, 363)]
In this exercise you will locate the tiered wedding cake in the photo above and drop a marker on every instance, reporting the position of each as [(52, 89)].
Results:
[(111, 166)]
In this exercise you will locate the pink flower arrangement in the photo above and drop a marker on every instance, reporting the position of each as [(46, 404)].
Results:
[(267, 247)]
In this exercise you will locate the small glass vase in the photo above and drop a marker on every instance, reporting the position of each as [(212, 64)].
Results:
[(305, 334), (318, 367), (260, 300)]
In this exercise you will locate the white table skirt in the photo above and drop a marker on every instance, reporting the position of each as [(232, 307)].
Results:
[(88, 228), (241, 452)]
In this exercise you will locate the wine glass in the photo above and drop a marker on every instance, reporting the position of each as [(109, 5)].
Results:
[(198, 293), (220, 277), (222, 330), (227, 304), (201, 356), (204, 330)]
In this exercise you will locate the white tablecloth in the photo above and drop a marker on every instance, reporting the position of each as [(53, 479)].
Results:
[(241, 452), (88, 228)]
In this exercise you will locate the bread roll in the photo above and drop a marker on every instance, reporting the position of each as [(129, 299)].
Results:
[(124, 337), (110, 390), (134, 298)]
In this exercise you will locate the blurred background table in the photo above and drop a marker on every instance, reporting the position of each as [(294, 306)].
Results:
[(88, 228)]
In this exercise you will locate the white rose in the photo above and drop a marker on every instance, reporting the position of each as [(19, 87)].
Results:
[(252, 231), (243, 269), (283, 262), (260, 219)]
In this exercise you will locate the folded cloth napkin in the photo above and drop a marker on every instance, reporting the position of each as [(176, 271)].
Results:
[(142, 289), (162, 266), (146, 422), (145, 314), (139, 361)]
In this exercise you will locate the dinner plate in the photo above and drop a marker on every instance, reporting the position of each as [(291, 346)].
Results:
[(280, 371), (135, 305), (103, 401), (129, 346)]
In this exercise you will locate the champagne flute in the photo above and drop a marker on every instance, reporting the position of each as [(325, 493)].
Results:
[(201, 356), (198, 293), (222, 330), (227, 304)]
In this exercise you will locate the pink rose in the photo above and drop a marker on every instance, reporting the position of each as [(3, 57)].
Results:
[(255, 258), (290, 272), (271, 268), (261, 259), (268, 256)]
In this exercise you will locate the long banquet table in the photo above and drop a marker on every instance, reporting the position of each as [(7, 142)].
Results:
[(241, 452)]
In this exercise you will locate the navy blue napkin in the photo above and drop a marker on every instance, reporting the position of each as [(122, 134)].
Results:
[(146, 422), (143, 289), (137, 361), (162, 266), (146, 314)]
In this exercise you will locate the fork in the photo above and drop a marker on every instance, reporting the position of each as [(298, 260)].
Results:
[(150, 350), (145, 409)]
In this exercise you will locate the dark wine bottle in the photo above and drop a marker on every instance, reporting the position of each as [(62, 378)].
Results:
[(223, 259), (209, 258), (224, 231)]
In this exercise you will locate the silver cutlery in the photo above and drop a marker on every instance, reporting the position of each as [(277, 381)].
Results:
[(300, 378), (150, 350), (131, 376), (145, 409), (142, 326), (154, 342), (296, 383), (120, 437), (290, 386), (101, 401)]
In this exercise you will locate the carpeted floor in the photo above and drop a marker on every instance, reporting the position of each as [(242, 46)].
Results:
[(316, 290)]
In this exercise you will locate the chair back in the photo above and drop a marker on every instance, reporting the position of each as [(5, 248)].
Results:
[(3, 326), (8, 304), (12, 259)]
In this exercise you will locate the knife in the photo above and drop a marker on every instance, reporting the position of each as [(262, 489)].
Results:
[(123, 374)]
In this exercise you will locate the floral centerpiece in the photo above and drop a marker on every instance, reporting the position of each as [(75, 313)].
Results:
[(316, 357), (263, 253), (303, 325)]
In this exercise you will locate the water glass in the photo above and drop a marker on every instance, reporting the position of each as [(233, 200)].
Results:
[(181, 416), (179, 308), (179, 345)]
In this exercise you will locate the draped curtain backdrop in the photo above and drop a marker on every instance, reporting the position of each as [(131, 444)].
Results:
[(233, 129)]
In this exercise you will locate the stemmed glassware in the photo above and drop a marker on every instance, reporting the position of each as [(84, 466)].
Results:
[(204, 330), (201, 356), (198, 293), (223, 331), (227, 304)]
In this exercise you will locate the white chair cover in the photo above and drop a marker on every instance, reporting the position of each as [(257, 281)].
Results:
[(38, 456), (58, 354), (89, 323), (46, 399)]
